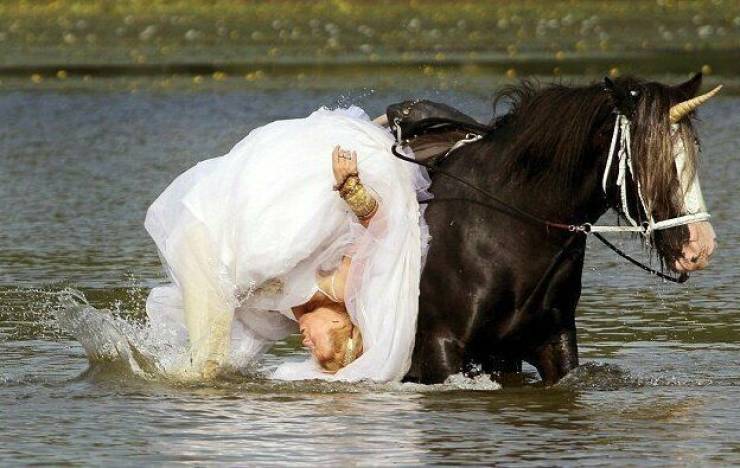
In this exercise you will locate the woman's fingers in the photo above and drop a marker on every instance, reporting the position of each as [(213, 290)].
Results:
[(344, 163), (353, 162), (335, 156), (336, 164)]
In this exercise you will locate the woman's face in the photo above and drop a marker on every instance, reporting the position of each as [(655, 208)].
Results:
[(315, 327)]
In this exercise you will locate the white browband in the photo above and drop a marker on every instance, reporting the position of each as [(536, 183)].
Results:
[(693, 200)]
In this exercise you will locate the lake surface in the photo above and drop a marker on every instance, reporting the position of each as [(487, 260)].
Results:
[(79, 165)]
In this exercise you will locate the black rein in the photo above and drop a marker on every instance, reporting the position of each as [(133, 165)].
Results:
[(529, 217)]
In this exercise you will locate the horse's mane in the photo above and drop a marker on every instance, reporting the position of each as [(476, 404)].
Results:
[(553, 128)]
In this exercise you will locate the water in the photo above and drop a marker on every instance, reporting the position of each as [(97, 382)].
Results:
[(79, 165)]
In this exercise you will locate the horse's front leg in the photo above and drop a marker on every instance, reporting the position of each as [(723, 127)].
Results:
[(557, 356), (437, 355), (555, 351)]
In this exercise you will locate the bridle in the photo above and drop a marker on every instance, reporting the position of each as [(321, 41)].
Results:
[(622, 133), (624, 154)]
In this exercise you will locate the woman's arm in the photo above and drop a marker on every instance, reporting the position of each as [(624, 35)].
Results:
[(381, 120), (353, 192), (364, 205)]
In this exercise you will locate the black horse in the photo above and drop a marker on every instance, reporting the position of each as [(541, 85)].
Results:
[(499, 289)]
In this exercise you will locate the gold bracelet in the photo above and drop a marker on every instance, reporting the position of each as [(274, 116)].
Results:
[(348, 185), (360, 201), (339, 185)]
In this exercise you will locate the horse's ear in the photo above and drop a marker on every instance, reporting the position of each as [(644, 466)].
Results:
[(687, 89), (624, 100)]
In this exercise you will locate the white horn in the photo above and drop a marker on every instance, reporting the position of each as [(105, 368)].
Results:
[(682, 109)]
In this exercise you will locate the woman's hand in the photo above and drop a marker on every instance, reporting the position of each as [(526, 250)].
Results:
[(344, 164), (360, 201)]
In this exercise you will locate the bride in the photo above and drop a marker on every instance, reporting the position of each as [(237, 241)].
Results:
[(291, 232)]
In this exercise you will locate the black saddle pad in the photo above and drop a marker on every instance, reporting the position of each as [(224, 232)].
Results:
[(431, 129)]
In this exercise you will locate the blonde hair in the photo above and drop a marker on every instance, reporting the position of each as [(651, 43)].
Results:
[(346, 343)]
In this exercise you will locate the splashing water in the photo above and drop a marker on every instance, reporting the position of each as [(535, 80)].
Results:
[(112, 340), (116, 344)]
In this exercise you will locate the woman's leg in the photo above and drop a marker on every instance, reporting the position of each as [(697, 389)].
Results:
[(208, 314)]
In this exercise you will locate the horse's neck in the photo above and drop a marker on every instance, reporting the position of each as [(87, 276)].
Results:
[(582, 202)]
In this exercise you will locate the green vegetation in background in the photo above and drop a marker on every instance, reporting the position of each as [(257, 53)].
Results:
[(144, 31), (253, 39)]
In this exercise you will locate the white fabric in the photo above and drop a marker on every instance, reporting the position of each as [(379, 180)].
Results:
[(243, 235)]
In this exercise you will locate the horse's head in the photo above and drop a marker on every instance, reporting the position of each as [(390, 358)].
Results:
[(665, 150)]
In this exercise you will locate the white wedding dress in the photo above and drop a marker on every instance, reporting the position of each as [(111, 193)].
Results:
[(243, 235)]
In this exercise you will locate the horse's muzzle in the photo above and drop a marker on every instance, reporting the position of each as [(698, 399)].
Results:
[(696, 253)]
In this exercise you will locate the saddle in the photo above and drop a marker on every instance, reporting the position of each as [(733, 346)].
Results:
[(432, 130)]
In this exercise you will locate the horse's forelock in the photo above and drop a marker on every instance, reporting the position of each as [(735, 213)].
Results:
[(653, 151)]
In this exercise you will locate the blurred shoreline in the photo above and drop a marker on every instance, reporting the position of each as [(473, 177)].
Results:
[(450, 43)]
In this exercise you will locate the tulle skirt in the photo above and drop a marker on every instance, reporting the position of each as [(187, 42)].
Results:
[(242, 237)]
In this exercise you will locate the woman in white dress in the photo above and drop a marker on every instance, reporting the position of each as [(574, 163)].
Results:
[(290, 230)]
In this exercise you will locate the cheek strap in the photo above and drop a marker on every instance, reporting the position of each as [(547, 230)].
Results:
[(694, 211), (693, 200)]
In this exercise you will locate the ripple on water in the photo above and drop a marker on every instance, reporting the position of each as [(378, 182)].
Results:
[(658, 384)]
